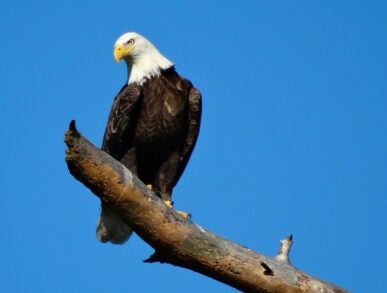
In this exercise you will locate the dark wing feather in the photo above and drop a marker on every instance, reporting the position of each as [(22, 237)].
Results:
[(122, 117), (193, 127)]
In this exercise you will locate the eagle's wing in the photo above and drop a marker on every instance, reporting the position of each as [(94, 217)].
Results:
[(117, 137), (116, 141), (193, 127)]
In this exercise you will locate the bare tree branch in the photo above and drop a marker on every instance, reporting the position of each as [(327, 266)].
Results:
[(178, 241)]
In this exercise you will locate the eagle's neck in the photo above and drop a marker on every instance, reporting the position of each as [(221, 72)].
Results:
[(145, 66)]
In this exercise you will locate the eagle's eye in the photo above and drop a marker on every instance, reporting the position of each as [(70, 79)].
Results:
[(130, 42)]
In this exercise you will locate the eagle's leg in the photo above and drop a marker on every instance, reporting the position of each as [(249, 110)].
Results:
[(167, 201), (169, 204), (166, 197), (166, 179)]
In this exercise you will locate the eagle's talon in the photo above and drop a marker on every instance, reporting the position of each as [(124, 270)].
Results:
[(168, 203), (185, 215), (149, 186)]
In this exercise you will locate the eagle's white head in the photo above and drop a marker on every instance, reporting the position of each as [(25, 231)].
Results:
[(142, 58)]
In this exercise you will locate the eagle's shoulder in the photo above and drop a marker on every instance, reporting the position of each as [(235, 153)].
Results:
[(180, 83), (128, 92), (120, 117)]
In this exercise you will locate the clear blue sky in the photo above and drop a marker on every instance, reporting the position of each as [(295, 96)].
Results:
[(293, 136)]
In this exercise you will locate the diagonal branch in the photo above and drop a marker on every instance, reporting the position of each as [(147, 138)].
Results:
[(178, 241)]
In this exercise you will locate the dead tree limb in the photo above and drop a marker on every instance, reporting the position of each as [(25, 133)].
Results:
[(178, 241)]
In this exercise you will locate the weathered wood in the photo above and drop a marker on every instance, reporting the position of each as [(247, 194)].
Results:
[(178, 241)]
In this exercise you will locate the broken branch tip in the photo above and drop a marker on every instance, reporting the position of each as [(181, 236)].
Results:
[(72, 126)]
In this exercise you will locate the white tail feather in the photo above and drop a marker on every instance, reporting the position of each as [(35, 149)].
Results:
[(111, 228)]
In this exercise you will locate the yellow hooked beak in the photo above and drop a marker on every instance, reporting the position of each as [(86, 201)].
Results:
[(120, 51)]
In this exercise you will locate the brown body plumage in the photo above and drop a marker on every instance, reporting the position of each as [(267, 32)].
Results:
[(150, 129)]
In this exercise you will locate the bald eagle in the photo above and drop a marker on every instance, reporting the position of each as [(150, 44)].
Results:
[(152, 127)]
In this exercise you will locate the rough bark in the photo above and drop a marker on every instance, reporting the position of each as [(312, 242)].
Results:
[(178, 241)]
